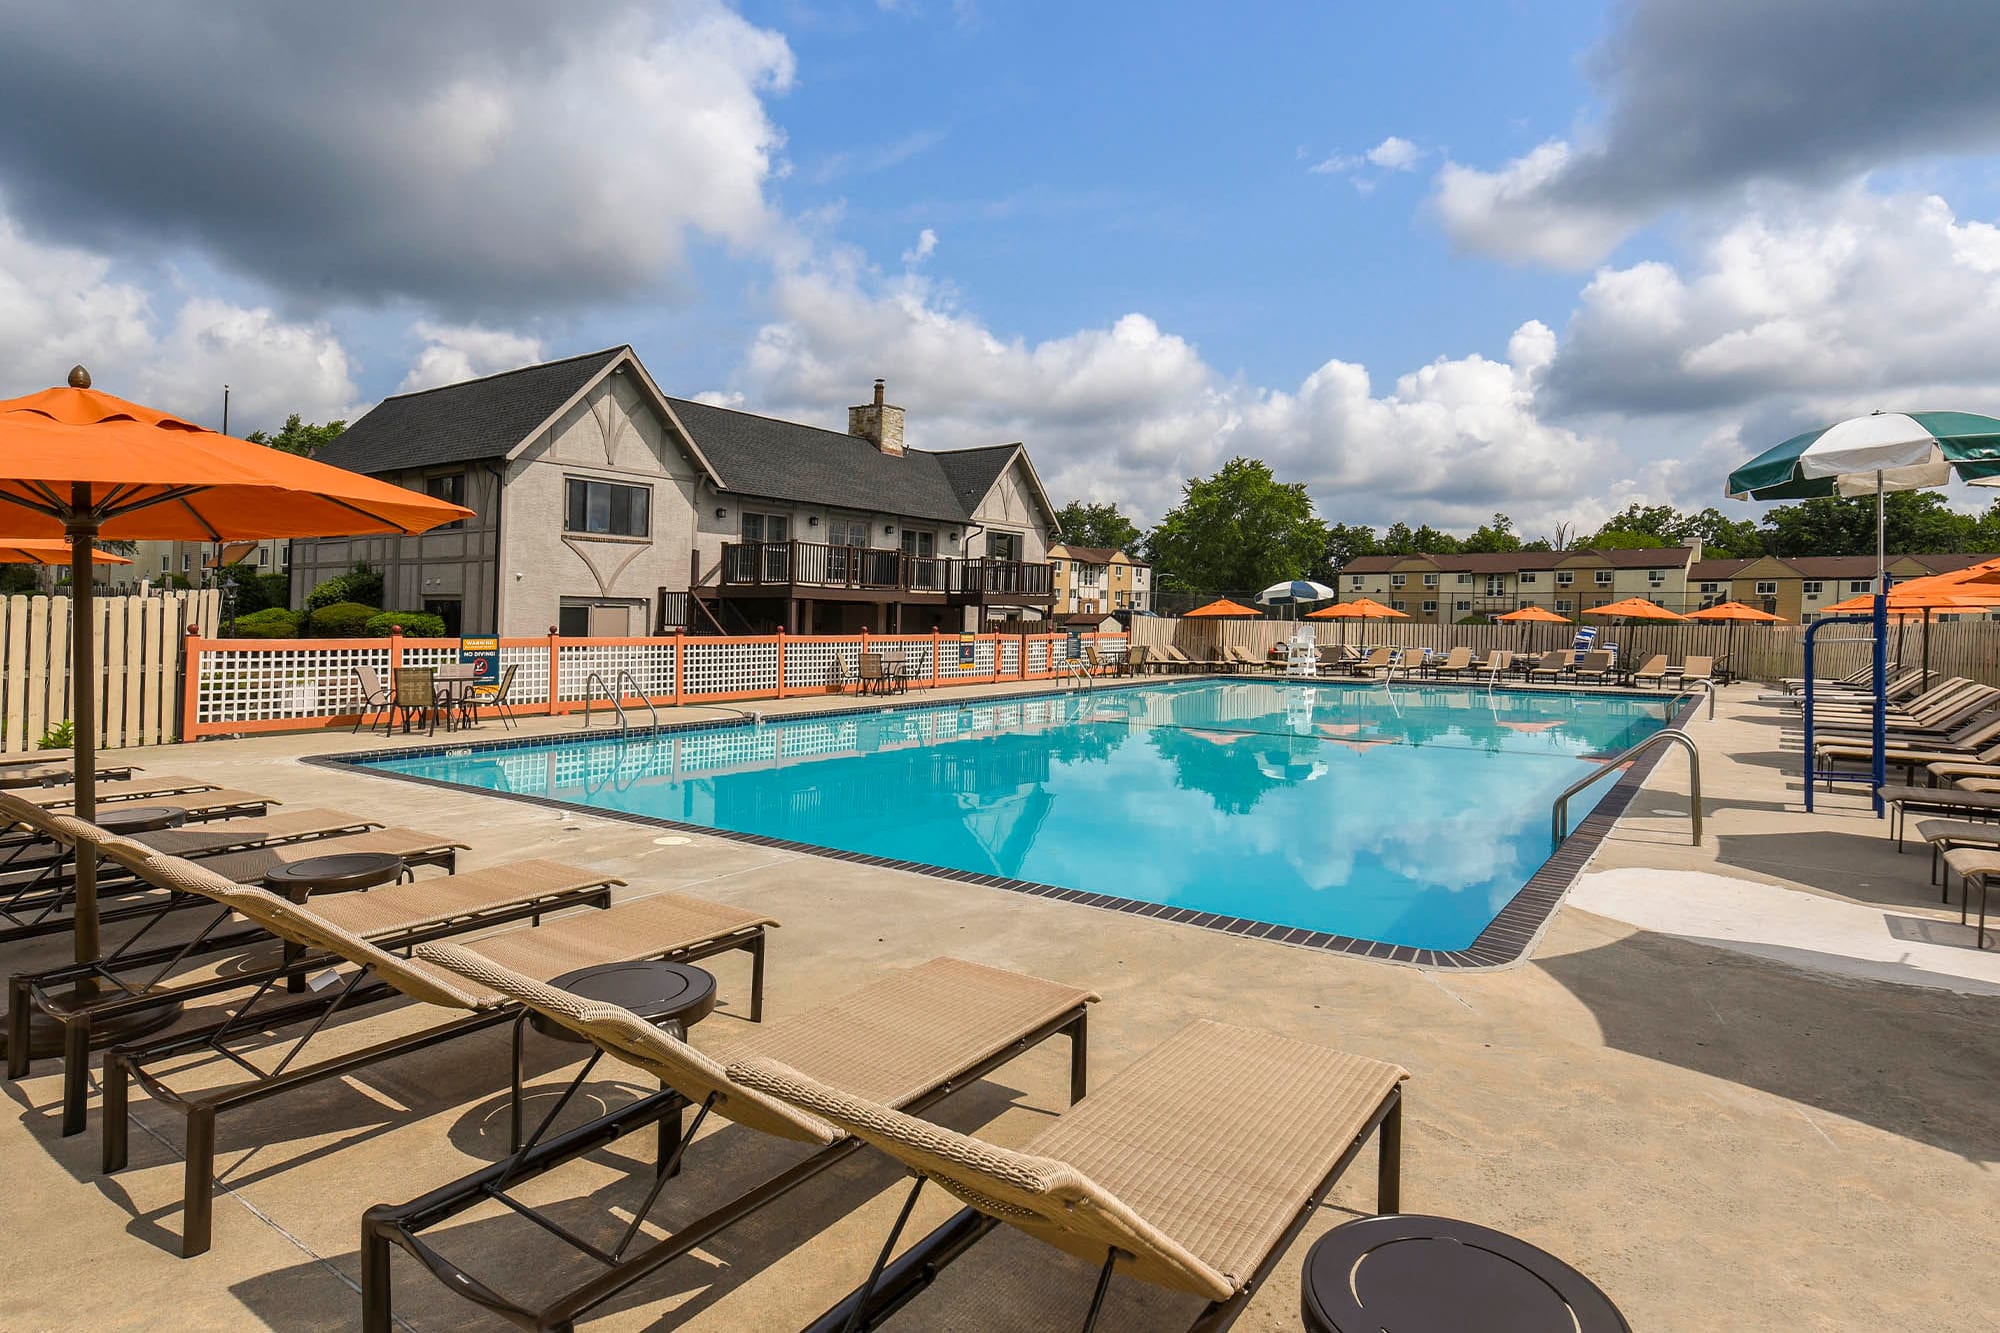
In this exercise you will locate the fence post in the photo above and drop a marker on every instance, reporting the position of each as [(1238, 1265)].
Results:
[(781, 662), (190, 709), (395, 649), (937, 645), (680, 663), (555, 667)]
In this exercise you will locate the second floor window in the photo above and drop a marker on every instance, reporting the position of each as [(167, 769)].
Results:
[(1430, 580), (1767, 587), (1564, 577), (1861, 585), (1656, 577), (1528, 576), (1398, 580), (1707, 588), (1353, 580), (1812, 587), (1603, 578), (607, 508), (451, 489)]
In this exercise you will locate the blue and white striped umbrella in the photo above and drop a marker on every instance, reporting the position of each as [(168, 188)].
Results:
[(1298, 590)]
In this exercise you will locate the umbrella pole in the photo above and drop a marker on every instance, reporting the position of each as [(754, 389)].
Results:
[(82, 529), (1881, 545)]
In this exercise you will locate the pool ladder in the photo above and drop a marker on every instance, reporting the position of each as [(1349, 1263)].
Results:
[(1074, 670), (1559, 812), (593, 684)]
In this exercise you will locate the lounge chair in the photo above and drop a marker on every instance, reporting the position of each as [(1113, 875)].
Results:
[(361, 928), (1952, 801), (1194, 1169), (1246, 659), (1973, 866), (1652, 673), (1495, 664), (1178, 660), (46, 774), (1454, 663), (1596, 665), (1952, 730), (1554, 665), (1694, 668), (131, 978), (906, 1040), (1977, 745), (1380, 660), (1945, 834)]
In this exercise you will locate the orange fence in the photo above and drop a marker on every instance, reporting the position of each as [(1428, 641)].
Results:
[(238, 686)]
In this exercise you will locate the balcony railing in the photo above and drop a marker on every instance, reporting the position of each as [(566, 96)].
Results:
[(817, 565)]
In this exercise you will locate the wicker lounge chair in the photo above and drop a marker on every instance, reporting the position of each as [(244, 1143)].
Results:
[(1249, 661), (1596, 665), (1194, 1169), (1454, 663), (1381, 660), (1554, 665), (361, 928), (1178, 660), (905, 1041), (1693, 668)]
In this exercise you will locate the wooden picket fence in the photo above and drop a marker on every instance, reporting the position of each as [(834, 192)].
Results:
[(139, 654), (1968, 647)]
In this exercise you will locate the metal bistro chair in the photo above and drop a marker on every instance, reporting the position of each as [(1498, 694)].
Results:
[(872, 678), (416, 696), (491, 696), (375, 696)]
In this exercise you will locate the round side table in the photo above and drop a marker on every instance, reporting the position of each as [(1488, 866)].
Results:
[(1408, 1273), (125, 820), (336, 872), (673, 996)]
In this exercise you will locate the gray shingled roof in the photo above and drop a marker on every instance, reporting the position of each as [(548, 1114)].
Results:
[(784, 460), (464, 422)]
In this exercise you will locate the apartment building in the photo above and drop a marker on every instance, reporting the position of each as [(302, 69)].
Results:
[(1800, 588), (1444, 589), (1099, 579), (601, 506)]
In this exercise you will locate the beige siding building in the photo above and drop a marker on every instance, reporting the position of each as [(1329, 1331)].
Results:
[(1090, 579), (1801, 588), (1444, 589)]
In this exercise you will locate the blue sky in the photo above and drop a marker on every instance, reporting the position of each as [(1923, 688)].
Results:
[(1433, 260)]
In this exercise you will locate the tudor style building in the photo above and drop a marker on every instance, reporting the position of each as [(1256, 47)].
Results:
[(602, 506)]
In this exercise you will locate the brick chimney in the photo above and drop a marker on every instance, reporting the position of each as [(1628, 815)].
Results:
[(879, 423)]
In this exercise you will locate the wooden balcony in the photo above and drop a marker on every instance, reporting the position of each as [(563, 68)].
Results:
[(867, 573)]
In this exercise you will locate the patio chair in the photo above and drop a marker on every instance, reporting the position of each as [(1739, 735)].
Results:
[(494, 696), (906, 1040), (46, 774), (1973, 866), (1553, 665), (1945, 834), (1178, 660), (1978, 745), (361, 928), (1693, 668), (1454, 663), (131, 978), (197, 799), (1498, 663), (415, 698), (1194, 1169), (1956, 802), (872, 677), (1381, 659), (1652, 672), (1595, 666), (1248, 660), (375, 694)]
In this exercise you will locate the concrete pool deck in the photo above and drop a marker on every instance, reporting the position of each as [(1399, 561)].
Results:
[(1719, 1137)]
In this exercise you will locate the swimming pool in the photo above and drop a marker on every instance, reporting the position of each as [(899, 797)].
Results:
[(1408, 815)]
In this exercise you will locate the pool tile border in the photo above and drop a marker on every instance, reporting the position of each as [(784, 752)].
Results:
[(1506, 940)]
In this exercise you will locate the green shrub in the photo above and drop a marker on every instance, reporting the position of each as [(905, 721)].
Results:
[(1474, 620), (342, 620), (360, 584), (61, 736), (259, 592), (416, 624), (273, 622)]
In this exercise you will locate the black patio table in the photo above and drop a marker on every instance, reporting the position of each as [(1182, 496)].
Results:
[(339, 872), (1408, 1273)]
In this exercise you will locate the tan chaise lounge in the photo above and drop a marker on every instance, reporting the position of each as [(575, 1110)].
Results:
[(906, 1041), (361, 929), (1194, 1169)]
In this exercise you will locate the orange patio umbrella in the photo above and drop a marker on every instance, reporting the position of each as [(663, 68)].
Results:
[(1971, 589), (1222, 606), (52, 553), (1361, 608), (1532, 614), (1634, 608), (79, 464), (1734, 613)]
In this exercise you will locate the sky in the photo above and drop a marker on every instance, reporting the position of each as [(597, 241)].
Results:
[(1433, 260)]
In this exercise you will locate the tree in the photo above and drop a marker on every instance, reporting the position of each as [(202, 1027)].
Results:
[(1429, 541), (1659, 525), (1722, 537), (1623, 539), (1498, 535), (1096, 525), (1344, 542), (1240, 529), (1399, 540), (304, 438)]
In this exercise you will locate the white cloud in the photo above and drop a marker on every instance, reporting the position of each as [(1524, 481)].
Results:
[(1511, 214), (60, 305), (1395, 154), (454, 352), (925, 247)]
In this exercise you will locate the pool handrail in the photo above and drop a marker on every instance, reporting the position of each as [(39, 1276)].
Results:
[(1559, 811)]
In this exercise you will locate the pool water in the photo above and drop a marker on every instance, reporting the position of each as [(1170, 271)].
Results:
[(1408, 814)]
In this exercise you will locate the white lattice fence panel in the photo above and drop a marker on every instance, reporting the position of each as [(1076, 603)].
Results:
[(1010, 656), (729, 668), (1038, 657), (915, 651), (267, 684), (819, 664), (980, 668), (430, 654), (1113, 648), (649, 666), (531, 675)]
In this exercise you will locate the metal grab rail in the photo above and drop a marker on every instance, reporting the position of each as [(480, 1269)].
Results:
[(625, 678), (591, 684), (1559, 812), (1075, 669), (1688, 691)]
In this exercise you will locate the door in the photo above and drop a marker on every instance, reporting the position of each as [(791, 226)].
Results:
[(847, 537), (920, 550), (774, 563)]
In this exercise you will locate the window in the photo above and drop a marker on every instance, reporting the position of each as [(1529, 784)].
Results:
[(166, 563), (1603, 578), (1860, 585), (263, 556), (1056, 565), (1564, 605), (924, 545), (1003, 546), (613, 510), (1430, 580), (186, 560), (451, 489), (1656, 578), (1399, 605), (1354, 581), (446, 609), (1812, 587), (1461, 605), (1710, 588), (847, 532), (1529, 576), (1398, 580), (1564, 577), (1465, 578), (1430, 608), (1767, 587)]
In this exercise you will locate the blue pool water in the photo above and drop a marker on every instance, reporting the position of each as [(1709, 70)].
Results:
[(1407, 814)]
